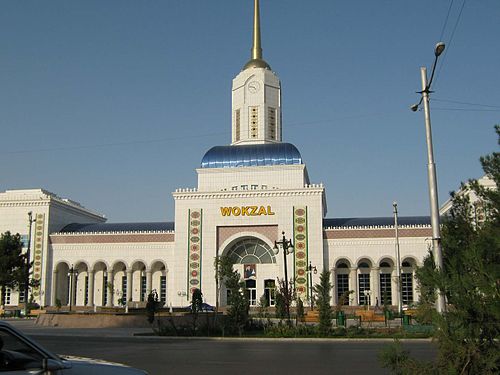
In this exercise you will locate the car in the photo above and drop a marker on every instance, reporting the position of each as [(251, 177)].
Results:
[(21, 355), (205, 307)]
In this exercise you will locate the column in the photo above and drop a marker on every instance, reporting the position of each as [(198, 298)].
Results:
[(334, 283), (353, 285), (110, 285), (395, 287), (149, 283), (375, 285), (90, 292), (53, 292), (129, 285)]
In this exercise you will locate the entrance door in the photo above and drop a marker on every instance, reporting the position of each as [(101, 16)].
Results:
[(270, 292), (251, 286)]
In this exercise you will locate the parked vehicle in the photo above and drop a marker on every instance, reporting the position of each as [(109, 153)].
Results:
[(205, 307), (21, 355)]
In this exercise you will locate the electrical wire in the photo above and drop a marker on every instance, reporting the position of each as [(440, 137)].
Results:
[(466, 103), (446, 20), (465, 109), (459, 17)]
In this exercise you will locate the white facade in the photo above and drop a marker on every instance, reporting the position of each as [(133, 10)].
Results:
[(249, 193), (51, 213)]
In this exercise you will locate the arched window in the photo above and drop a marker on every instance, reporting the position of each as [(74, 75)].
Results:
[(251, 251)]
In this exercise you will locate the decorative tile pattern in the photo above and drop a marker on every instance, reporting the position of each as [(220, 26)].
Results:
[(300, 231), (194, 250), (38, 253)]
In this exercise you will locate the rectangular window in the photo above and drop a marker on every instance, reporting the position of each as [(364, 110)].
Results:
[(234, 188), (86, 290), (237, 125), (254, 187), (364, 285), (6, 295), (244, 187), (143, 288), (407, 288), (21, 295), (385, 289), (271, 123), (163, 289), (124, 290), (251, 292), (270, 292), (254, 122), (104, 289), (342, 286)]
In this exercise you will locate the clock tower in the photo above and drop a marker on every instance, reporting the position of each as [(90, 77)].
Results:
[(256, 97)]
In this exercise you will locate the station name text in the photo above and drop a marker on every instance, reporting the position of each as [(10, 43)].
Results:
[(246, 211)]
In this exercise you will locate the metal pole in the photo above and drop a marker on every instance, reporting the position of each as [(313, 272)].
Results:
[(311, 285), (70, 292), (433, 193), (398, 259), (28, 256), (285, 249)]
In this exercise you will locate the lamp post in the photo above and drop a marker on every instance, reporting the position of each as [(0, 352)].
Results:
[(28, 255), (310, 270), (72, 273), (431, 170), (288, 248), (398, 257)]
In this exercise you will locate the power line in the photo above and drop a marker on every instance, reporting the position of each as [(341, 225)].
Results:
[(446, 20), (173, 139), (465, 103), (451, 39), (465, 109)]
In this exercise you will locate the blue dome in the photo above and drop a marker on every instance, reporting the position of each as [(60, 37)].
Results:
[(251, 156)]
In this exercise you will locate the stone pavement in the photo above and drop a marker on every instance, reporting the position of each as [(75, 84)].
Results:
[(29, 327)]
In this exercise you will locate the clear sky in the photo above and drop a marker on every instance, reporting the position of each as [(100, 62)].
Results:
[(114, 103)]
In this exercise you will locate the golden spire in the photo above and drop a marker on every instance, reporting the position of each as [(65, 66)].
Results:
[(256, 60), (256, 48)]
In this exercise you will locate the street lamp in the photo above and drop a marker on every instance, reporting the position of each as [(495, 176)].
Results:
[(431, 169), (398, 257), (367, 293), (288, 248), (310, 270), (28, 255), (72, 273)]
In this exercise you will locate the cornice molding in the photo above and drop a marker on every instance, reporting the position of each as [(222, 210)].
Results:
[(374, 242), (185, 194), (69, 234), (56, 248)]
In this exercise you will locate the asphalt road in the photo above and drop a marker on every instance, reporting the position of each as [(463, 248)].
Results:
[(221, 356), (184, 356)]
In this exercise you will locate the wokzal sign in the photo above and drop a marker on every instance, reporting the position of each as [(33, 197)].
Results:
[(246, 211)]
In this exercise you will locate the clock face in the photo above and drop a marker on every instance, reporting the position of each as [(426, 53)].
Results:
[(253, 87)]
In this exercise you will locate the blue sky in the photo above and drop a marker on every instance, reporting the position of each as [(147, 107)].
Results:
[(114, 103)]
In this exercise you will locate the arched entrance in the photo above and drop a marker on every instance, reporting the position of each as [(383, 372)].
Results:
[(254, 259)]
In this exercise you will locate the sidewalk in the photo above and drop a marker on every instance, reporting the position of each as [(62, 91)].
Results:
[(29, 327)]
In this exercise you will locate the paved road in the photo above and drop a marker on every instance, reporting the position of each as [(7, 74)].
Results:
[(229, 356)]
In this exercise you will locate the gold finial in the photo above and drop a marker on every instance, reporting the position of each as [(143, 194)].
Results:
[(256, 47), (256, 60)]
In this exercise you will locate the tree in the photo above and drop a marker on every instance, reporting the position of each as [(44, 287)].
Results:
[(285, 295), (237, 297), (153, 305), (12, 262), (468, 333), (323, 291)]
